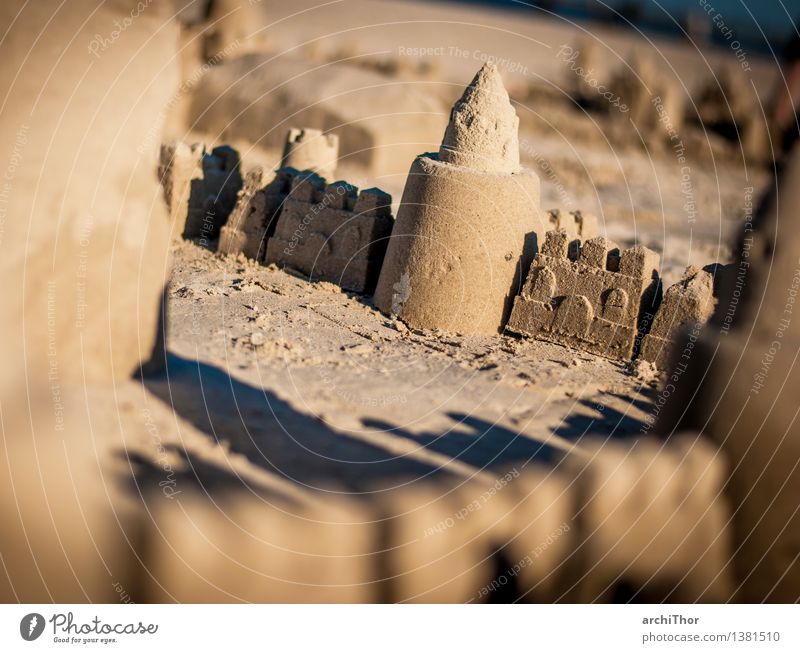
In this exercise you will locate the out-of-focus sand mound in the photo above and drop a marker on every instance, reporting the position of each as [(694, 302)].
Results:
[(382, 123)]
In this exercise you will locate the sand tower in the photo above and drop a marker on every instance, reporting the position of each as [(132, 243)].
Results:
[(456, 252), (310, 149)]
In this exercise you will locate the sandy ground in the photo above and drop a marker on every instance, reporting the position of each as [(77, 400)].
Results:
[(294, 387)]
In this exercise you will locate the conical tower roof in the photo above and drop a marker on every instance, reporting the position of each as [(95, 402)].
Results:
[(483, 130)]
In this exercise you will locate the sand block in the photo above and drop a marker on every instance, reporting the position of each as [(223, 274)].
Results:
[(85, 267), (245, 229), (332, 232), (432, 555), (68, 527), (538, 533), (200, 187), (739, 385), (180, 165), (747, 402), (255, 216), (688, 302), (213, 197), (591, 301)]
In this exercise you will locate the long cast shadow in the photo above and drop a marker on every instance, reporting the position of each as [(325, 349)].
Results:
[(484, 445), (254, 422), (609, 423)]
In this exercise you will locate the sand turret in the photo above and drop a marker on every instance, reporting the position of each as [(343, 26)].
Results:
[(483, 128), (455, 258), (311, 150)]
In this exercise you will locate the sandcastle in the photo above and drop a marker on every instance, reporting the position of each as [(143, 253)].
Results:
[(689, 302), (645, 522), (326, 231), (591, 297), (332, 232), (255, 215), (200, 185), (458, 247)]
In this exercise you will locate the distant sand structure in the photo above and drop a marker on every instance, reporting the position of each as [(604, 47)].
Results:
[(311, 150), (381, 122)]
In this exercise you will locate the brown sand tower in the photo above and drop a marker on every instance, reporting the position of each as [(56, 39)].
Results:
[(455, 257)]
